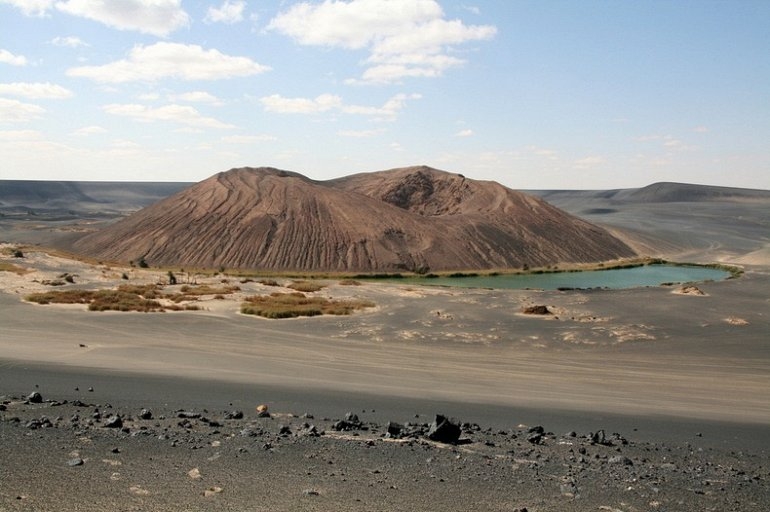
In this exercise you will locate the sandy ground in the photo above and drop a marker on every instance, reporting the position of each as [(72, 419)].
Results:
[(642, 351), (683, 372)]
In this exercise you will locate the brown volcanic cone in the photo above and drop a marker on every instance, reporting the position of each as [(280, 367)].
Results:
[(414, 218)]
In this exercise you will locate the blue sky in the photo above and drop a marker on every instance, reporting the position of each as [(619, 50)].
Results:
[(532, 94)]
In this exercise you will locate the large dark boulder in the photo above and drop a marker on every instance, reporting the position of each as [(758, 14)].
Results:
[(444, 430)]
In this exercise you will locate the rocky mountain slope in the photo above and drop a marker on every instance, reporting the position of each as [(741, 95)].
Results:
[(415, 218)]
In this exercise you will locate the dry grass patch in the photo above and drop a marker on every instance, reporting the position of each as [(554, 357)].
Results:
[(305, 286), (10, 267), (193, 293), (142, 298), (296, 304)]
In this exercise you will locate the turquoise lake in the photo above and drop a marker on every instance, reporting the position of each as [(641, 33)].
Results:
[(648, 275)]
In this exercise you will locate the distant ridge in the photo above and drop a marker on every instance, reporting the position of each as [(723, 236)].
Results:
[(667, 192), (85, 196), (661, 192), (414, 219)]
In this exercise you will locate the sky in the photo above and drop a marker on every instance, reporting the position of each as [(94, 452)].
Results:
[(534, 94)]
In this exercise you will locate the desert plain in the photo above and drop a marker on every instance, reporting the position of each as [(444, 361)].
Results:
[(654, 398)]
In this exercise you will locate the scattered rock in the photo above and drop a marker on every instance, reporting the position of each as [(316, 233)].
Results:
[(212, 491), (444, 430), (351, 422), (35, 398), (234, 415), (114, 422), (145, 414), (394, 429), (77, 461), (537, 310), (535, 438), (620, 460)]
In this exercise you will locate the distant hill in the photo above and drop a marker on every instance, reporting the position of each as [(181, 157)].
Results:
[(665, 192), (662, 192), (83, 196), (414, 218)]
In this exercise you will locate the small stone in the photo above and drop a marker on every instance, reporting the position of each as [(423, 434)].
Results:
[(619, 459), (145, 414), (35, 398), (311, 492), (395, 429), (535, 438), (212, 491), (77, 461), (113, 422)]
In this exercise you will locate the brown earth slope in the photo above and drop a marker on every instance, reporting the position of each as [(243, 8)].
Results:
[(414, 218)]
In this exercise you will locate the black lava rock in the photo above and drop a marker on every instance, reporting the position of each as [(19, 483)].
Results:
[(444, 430)]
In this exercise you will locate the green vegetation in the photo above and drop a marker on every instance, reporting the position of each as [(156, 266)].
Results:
[(296, 304)]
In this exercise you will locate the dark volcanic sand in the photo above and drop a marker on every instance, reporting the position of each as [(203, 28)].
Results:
[(215, 463)]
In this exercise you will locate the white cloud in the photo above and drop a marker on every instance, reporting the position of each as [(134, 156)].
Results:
[(248, 139), (20, 135), (590, 162), (322, 103), (149, 96), (13, 60), (30, 7), (35, 90), (701, 129), (230, 12), (124, 144), (197, 97), (69, 41), (170, 60), (156, 17), (464, 133), (406, 38), (669, 142), (15, 111), (90, 130), (528, 151), (359, 133), (327, 102), (180, 114)]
